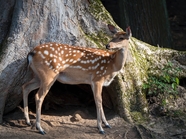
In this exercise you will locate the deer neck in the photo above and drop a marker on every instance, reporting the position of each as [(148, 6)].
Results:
[(120, 58)]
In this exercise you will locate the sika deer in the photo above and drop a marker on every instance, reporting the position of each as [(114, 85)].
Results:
[(75, 65)]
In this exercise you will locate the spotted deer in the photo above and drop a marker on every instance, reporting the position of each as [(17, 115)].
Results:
[(75, 65)]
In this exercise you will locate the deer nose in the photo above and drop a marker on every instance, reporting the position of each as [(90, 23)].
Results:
[(107, 46)]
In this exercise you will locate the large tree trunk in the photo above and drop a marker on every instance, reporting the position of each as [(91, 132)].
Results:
[(149, 18), (26, 24)]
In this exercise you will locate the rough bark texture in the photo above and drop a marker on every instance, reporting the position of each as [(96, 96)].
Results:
[(81, 22)]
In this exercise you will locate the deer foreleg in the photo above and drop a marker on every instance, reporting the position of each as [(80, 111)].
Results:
[(104, 119), (97, 90)]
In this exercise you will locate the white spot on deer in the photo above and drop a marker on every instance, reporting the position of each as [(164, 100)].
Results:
[(51, 67), (47, 63), (81, 61), (51, 55), (46, 52), (74, 54), (95, 67), (104, 72), (74, 61), (102, 67), (50, 61), (66, 65), (67, 60), (74, 51), (71, 60), (56, 44), (82, 54), (55, 71), (54, 60), (60, 58), (52, 48), (66, 55), (62, 52), (42, 56), (51, 44), (103, 61), (97, 72), (63, 62)]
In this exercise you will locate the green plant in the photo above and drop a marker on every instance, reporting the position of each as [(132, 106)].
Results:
[(167, 82)]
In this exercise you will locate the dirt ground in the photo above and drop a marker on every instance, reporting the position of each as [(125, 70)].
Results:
[(69, 122), (80, 123)]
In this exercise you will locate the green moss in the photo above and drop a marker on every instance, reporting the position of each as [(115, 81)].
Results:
[(138, 117), (97, 9), (100, 38)]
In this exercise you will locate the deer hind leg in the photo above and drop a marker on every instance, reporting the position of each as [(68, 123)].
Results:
[(97, 91), (46, 83), (27, 88)]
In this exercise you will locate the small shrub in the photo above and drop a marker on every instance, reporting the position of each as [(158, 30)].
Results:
[(166, 83)]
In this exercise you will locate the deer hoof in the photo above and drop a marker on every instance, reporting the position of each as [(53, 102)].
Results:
[(42, 132), (108, 126), (102, 132), (28, 123)]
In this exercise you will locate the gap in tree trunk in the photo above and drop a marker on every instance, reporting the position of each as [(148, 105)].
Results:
[(183, 82)]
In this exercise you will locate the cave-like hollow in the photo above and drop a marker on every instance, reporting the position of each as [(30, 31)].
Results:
[(65, 98)]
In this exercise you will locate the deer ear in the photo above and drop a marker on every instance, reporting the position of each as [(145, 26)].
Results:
[(112, 28), (128, 31)]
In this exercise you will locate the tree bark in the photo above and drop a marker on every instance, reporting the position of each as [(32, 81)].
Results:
[(26, 24)]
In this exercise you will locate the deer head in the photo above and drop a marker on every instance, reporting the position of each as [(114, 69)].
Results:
[(120, 39)]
